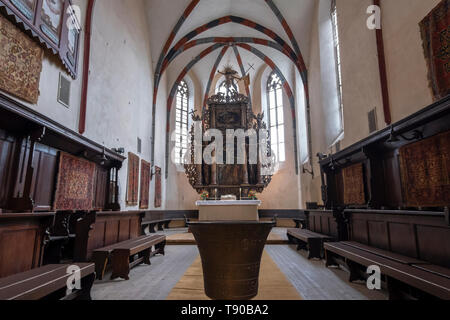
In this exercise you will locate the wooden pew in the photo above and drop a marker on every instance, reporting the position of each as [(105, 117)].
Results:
[(160, 219), (321, 227), (22, 238), (152, 224), (412, 250), (120, 254), (100, 229), (48, 282), (308, 240)]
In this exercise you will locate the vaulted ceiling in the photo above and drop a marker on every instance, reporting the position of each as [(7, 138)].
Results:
[(175, 23)]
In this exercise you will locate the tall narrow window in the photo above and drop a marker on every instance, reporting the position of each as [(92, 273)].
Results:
[(276, 116), (337, 55), (181, 122)]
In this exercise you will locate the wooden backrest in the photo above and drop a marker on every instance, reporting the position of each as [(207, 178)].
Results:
[(422, 235), (323, 222), (107, 228), (21, 241), (153, 215)]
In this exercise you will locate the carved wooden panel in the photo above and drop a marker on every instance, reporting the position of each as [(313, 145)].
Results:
[(425, 172)]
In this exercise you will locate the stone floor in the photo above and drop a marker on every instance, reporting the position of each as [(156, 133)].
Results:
[(311, 278)]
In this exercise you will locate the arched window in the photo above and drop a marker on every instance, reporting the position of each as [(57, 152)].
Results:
[(337, 57), (181, 122), (276, 116)]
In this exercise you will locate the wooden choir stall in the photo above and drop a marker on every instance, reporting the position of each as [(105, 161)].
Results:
[(59, 205), (387, 202)]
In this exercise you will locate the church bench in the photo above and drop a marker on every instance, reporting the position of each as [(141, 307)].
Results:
[(48, 282), (397, 268), (300, 223), (102, 256), (96, 230), (151, 224), (123, 253), (159, 219), (319, 226), (417, 240), (306, 239)]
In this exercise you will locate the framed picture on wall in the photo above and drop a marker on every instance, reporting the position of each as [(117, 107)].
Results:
[(55, 24), (26, 7), (51, 18)]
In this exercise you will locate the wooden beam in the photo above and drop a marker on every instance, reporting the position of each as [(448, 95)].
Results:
[(87, 54), (383, 73)]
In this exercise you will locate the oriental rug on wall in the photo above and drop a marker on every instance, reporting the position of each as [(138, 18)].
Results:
[(158, 189), (20, 62), (425, 172), (353, 180), (75, 184), (145, 185), (133, 180), (435, 30)]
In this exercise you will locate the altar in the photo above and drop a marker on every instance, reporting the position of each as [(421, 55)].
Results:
[(244, 210), (237, 167)]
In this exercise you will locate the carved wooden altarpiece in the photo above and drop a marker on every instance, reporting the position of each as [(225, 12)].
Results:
[(224, 112)]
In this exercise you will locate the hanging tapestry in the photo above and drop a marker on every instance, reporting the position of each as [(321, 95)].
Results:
[(133, 179), (435, 30), (20, 62), (75, 184), (425, 172), (353, 180), (145, 185), (158, 190)]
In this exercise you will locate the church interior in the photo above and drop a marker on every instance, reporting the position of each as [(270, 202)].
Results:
[(224, 150)]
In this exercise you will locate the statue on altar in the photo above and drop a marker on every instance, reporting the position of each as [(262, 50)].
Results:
[(245, 175)]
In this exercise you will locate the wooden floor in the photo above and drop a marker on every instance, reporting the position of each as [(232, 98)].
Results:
[(311, 279)]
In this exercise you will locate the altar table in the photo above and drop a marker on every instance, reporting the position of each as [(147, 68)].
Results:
[(244, 210)]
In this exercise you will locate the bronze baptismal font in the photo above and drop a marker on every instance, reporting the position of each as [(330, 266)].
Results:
[(232, 240)]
